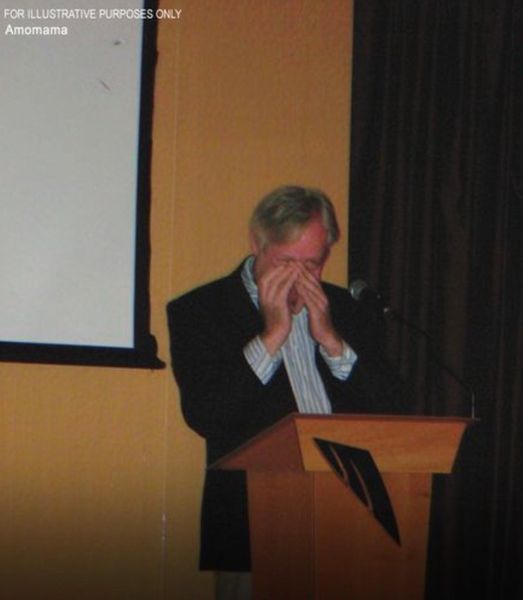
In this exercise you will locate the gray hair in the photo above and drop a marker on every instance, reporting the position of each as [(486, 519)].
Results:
[(284, 212)]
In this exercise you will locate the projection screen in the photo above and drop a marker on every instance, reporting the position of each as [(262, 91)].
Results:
[(75, 123)]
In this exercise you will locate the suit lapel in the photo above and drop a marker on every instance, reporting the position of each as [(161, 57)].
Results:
[(242, 311)]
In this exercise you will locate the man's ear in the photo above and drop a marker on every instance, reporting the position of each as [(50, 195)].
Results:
[(255, 246)]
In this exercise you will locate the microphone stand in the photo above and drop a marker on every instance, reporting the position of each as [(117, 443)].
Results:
[(409, 324)]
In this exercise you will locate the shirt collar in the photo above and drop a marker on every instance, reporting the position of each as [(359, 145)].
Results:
[(248, 280)]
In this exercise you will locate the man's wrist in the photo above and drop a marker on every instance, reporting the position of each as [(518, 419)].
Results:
[(273, 340), (333, 346), (341, 366)]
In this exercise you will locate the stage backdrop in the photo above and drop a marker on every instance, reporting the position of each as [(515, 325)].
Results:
[(436, 220)]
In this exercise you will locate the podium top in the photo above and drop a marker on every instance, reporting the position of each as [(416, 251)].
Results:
[(398, 444)]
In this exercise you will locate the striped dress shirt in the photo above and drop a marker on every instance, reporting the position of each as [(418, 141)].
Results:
[(298, 355)]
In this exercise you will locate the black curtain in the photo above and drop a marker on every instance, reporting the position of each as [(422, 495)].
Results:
[(436, 224)]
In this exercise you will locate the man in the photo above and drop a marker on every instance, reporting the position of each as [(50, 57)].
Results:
[(268, 340)]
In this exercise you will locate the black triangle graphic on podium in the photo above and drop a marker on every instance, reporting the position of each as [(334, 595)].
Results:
[(357, 469)]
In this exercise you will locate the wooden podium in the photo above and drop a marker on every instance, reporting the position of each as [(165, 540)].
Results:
[(311, 536)]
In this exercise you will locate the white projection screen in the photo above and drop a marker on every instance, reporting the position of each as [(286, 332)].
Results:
[(75, 132)]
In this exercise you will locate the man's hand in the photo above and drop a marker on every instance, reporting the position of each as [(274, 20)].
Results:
[(320, 324), (273, 294)]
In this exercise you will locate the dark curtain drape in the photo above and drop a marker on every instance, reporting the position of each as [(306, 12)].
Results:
[(436, 224)]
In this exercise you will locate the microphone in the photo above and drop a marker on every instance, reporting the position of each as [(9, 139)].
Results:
[(362, 292)]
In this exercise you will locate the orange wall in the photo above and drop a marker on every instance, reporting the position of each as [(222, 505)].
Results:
[(100, 477)]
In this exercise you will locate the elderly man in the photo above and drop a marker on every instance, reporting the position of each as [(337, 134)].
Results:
[(268, 340)]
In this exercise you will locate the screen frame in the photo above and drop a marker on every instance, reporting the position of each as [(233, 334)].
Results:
[(143, 354)]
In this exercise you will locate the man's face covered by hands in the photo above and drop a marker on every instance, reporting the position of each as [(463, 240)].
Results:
[(296, 265)]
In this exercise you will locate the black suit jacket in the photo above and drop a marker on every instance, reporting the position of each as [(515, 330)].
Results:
[(225, 402)]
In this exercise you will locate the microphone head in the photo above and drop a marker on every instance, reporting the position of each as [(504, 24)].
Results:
[(362, 292), (358, 288)]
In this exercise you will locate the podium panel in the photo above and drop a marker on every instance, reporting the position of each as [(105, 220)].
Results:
[(312, 537)]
